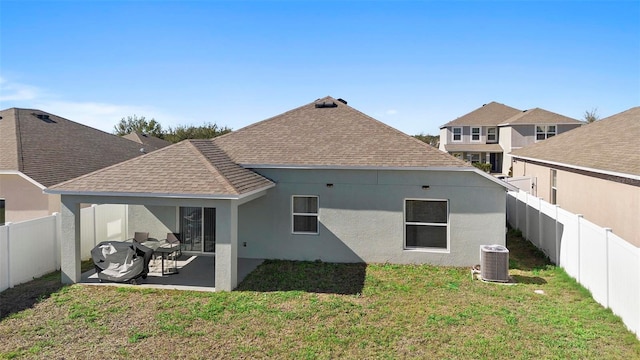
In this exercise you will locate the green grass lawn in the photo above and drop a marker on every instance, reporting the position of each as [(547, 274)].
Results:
[(310, 310)]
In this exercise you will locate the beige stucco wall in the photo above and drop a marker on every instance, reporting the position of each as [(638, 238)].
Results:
[(24, 200), (606, 203)]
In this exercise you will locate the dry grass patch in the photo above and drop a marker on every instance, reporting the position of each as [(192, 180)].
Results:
[(310, 310)]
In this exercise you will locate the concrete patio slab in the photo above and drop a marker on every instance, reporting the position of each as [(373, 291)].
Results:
[(194, 273)]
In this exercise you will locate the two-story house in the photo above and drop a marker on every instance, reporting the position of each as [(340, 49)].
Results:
[(489, 133)]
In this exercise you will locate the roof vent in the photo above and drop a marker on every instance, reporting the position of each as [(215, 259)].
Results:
[(44, 117), (343, 101), (494, 263), (524, 110), (326, 104)]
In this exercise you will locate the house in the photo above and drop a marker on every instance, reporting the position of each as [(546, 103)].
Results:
[(593, 171), (148, 141), (323, 181), (39, 149), (489, 133)]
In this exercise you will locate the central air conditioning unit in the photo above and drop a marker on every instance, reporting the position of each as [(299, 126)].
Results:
[(494, 263)]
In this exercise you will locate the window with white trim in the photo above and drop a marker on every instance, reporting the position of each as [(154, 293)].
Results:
[(545, 131), (304, 214), (475, 134), (492, 134), (426, 224), (457, 133), (473, 157)]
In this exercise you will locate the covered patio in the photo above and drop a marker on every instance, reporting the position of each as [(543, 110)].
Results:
[(206, 179), (194, 273)]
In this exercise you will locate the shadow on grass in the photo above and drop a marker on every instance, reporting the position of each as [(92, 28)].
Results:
[(25, 296), (316, 277), (528, 279), (523, 255)]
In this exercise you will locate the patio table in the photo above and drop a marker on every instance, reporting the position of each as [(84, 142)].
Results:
[(164, 251)]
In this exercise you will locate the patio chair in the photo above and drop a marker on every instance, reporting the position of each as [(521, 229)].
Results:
[(174, 241), (140, 237)]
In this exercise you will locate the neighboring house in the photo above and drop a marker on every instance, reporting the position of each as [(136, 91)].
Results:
[(593, 171), (319, 182), (148, 141), (39, 149), (489, 133)]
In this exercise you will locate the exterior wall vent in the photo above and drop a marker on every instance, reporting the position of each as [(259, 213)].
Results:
[(326, 104), (494, 263)]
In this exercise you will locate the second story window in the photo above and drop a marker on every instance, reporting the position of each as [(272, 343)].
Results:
[(545, 131), (475, 134), (492, 135), (457, 134)]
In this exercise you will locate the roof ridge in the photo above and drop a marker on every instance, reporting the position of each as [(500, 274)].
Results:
[(422, 143), (270, 118), (116, 164), (208, 162), (20, 159)]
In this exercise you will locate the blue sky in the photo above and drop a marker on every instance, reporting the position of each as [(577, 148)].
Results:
[(413, 65)]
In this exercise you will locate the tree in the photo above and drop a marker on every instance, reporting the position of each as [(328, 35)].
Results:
[(138, 124), (433, 140), (205, 131), (591, 116)]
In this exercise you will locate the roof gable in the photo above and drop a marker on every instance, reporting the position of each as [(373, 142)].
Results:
[(490, 114), (539, 116), (208, 170), (147, 140), (329, 136), (51, 149), (610, 144)]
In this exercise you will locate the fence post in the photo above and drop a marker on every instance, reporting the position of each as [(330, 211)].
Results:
[(8, 258), (5, 257), (56, 247), (540, 226), (517, 222), (579, 216), (526, 217), (607, 231), (94, 208), (558, 237)]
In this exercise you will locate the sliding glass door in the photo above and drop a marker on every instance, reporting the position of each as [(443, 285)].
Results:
[(198, 229)]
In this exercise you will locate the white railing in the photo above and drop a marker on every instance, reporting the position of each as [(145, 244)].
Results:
[(601, 261), (30, 249)]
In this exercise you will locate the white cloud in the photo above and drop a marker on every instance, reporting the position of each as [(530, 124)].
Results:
[(391, 112), (10, 91), (103, 116)]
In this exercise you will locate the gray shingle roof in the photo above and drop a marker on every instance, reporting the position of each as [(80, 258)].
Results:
[(191, 167), (609, 144), (147, 140), (539, 116), (490, 114), (334, 136), (339, 136), (50, 149)]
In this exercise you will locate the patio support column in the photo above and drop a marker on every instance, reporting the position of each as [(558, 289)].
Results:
[(226, 264), (70, 241)]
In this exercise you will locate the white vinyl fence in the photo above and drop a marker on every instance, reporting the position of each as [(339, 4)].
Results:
[(602, 262), (30, 249), (100, 223)]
